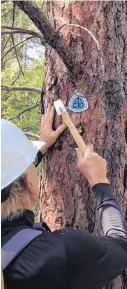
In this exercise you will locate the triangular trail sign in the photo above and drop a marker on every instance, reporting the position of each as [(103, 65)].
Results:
[(78, 103)]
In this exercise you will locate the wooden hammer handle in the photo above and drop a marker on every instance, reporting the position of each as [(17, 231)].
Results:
[(78, 139)]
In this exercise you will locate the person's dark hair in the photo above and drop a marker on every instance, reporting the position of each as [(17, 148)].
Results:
[(5, 193), (12, 198)]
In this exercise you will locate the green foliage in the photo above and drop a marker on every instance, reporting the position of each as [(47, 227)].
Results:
[(33, 67), (35, 210), (32, 61), (14, 102)]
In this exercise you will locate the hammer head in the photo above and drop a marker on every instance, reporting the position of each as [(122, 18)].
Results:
[(59, 106)]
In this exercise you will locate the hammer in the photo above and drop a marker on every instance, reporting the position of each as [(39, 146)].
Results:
[(61, 110)]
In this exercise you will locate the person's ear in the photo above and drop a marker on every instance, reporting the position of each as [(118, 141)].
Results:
[(32, 183), (29, 185)]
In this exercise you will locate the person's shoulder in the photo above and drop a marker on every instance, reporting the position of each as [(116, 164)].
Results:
[(65, 234), (44, 252), (49, 243), (64, 242)]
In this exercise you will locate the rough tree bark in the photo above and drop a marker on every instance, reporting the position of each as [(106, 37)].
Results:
[(65, 197)]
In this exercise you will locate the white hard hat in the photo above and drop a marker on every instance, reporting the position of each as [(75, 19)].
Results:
[(17, 152)]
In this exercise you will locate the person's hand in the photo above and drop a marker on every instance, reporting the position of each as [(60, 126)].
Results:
[(93, 166), (47, 134)]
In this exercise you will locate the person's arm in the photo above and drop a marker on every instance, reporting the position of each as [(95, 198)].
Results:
[(93, 261), (111, 219), (38, 158), (47, 134), (94, 168)]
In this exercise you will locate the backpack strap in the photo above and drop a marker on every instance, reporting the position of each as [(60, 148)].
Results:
[(16, 244), (37, 226), (41, 226)]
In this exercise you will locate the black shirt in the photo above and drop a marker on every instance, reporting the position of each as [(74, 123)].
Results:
[(70, 258)]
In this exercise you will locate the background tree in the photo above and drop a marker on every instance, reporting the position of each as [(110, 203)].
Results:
[(23, 68), (85, 50)]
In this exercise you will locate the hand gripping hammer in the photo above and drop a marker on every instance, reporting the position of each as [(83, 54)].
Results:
[(61, 110)]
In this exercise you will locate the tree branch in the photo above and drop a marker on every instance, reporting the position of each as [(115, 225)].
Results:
[(16, 53), (36, 136), (18, 115), (51, 36), (16, 78), (22, 30), (7, 13), (6, 42), (13, 41), (13, 47), (24, 88), (8, 59), (12, 26)]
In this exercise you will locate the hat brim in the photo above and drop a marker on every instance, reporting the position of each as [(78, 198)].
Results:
[(26, 160)]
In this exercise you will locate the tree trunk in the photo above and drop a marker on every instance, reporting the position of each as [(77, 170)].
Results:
[(65, 197)]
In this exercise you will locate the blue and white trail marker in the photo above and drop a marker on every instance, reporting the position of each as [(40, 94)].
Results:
[(78, 103)]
